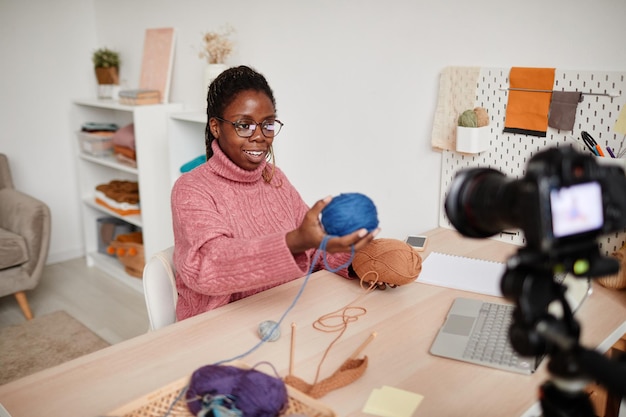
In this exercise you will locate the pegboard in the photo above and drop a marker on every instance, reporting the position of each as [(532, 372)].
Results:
[(602, 100)]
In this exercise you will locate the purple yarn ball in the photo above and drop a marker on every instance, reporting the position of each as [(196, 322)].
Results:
[(256, 394)]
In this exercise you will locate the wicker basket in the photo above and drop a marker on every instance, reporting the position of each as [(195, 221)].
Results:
[(157, 403), (617, 281), (131, 255)]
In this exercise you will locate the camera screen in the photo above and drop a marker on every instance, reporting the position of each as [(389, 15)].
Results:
[(576, 209)]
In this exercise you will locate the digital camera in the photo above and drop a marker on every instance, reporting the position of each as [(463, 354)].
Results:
[(562, 204)]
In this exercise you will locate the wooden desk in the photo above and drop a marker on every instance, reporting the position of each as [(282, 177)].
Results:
[(406, 320)]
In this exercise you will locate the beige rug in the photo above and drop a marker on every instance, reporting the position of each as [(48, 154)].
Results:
[(43, 342)]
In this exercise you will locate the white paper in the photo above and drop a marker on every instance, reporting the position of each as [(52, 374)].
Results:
[(467, 274)]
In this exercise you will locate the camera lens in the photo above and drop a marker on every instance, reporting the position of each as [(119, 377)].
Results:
[(479, 202)]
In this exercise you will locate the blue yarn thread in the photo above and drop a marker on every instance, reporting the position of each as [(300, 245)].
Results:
[(348, 213), (342, 218), (345, 214)]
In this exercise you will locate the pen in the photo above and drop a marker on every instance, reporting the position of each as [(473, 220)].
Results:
[(599, 149), (610, 151)]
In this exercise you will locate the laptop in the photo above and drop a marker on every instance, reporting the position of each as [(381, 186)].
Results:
[(476, 331)]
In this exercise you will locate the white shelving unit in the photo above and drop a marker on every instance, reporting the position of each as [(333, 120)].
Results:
[(152, 174), (186, 139)]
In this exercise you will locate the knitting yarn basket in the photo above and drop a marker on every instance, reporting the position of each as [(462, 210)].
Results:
[(157, 403), (618, 280)]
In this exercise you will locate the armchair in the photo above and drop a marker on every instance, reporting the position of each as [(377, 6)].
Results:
[(24, 239)]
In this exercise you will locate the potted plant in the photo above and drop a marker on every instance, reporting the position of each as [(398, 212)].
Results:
[(106, 63), (471, 131)]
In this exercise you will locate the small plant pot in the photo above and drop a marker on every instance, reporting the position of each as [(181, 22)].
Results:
[(472, 139), (108, 75)]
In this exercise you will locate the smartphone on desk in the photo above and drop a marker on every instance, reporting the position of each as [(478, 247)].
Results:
[(417, 242)]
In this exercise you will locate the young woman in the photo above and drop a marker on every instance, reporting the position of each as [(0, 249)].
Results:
[(240, 227)]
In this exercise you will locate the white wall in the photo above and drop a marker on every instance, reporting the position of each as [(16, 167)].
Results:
[(46, 61), (355, 81)]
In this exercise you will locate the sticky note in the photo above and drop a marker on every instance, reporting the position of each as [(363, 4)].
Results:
[(620, 124), (392, 402)]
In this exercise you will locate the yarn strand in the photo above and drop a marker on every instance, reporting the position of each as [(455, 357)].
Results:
[(320, 252)]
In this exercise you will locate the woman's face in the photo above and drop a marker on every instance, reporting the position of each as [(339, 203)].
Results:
[(248, 107)]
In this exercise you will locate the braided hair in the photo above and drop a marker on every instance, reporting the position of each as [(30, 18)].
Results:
[(223, 91)]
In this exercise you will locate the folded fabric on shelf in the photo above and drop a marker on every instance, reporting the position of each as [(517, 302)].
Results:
[(127, 152), (530, 93), (125, 136), (119, 196), (563, 109), (457, 92)]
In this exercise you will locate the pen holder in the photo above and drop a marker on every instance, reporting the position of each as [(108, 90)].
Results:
[(607, 160), (472, 139)]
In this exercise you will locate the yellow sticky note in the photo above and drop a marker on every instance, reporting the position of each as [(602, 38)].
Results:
[(620, 124), (392, 402)]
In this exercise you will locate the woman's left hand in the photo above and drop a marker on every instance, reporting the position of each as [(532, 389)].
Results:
[(311, 233)]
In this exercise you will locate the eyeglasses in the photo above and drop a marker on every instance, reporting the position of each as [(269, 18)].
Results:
[(246, 128)]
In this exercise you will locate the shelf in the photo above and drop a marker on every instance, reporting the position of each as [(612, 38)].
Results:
[(186, 132), (113, 267), (134, 219), (151, 149), (109, 104), (194, 116), (109, 161)]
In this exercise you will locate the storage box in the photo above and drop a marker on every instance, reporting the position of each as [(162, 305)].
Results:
[(96, 143), (108, 228)]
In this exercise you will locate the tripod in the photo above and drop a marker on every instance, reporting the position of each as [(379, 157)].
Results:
[(536, 330)]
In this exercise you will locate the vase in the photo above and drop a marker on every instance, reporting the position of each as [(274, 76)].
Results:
[(108, 82), (211, 72)]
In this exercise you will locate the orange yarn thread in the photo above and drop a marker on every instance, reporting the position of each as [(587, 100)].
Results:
[(388, 261), (351, 369)]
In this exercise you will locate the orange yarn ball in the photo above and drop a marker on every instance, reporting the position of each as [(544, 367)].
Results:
[(390, 261)]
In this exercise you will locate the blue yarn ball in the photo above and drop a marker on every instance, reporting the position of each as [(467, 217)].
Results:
[(269, 331), (349, 212)]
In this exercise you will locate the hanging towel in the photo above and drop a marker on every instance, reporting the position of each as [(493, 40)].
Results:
[(527, 111), (563, 109), (457, 93)]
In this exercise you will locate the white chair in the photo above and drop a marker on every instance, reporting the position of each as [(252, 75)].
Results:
[(159, 289)]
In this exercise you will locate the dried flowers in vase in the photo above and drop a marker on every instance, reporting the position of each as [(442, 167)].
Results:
[(217, 46)]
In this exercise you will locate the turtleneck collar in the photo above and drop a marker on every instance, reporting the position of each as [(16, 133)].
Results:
[(224, 167)]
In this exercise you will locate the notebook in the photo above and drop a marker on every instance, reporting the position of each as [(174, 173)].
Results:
[(461, 273)]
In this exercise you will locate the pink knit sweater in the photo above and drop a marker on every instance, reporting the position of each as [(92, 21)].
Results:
[(229, 234)]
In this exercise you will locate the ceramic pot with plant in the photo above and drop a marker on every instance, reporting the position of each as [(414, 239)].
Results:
[(106, 63), (472, 132)]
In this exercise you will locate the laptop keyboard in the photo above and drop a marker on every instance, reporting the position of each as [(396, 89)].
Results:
[(489, 341)]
